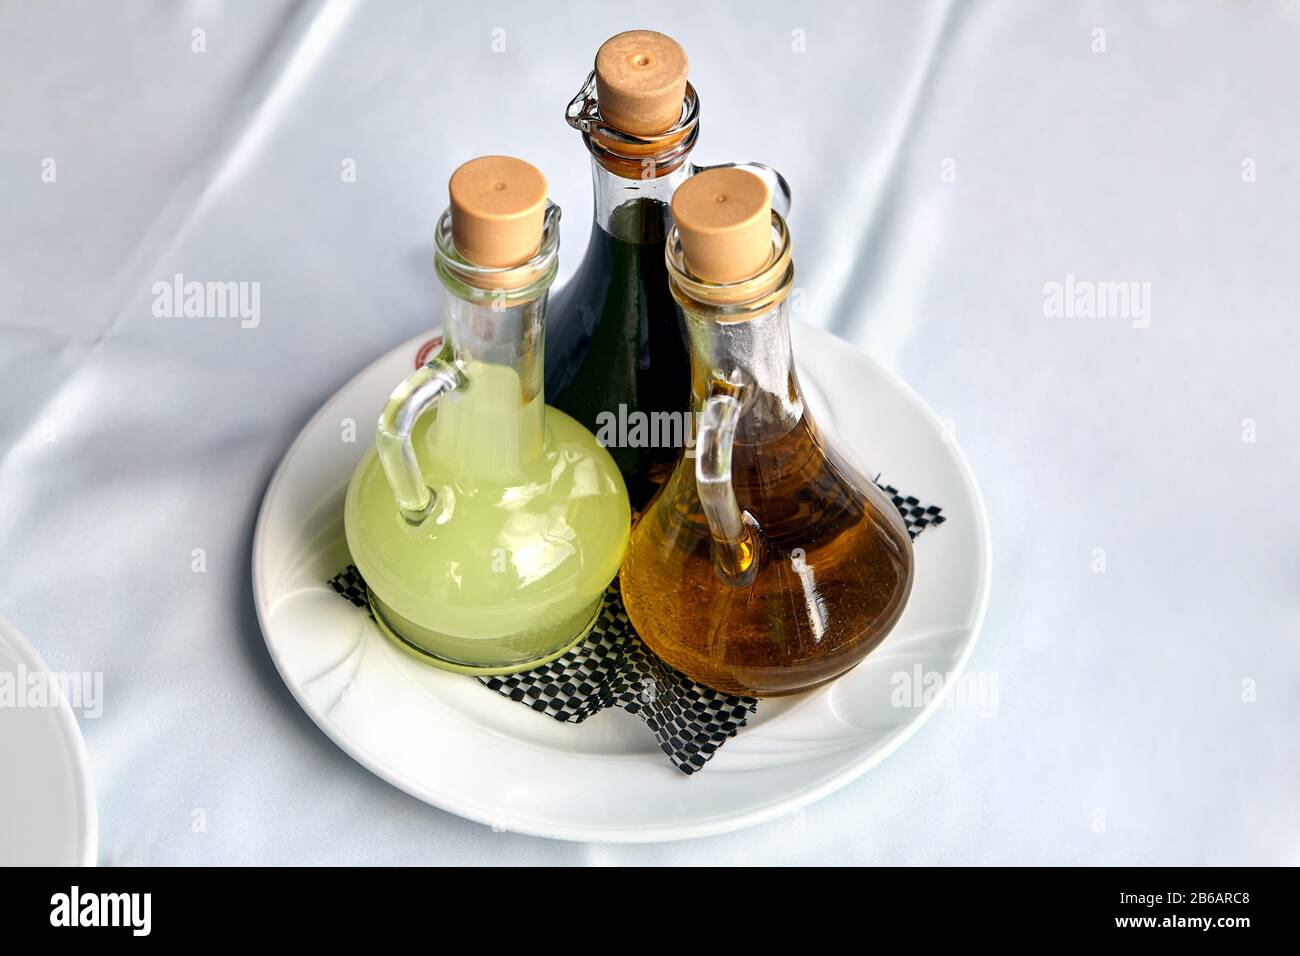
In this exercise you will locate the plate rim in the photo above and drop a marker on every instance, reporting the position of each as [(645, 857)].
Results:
[(88, 849), (725, 823)]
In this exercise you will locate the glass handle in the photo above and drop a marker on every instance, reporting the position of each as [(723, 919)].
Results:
[(735, 545), (409, 401), (781, 197)]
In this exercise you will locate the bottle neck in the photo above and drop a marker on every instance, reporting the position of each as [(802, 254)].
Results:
[(613, 191), (494, 425), (751, 359), (494, 329), (512, 337)]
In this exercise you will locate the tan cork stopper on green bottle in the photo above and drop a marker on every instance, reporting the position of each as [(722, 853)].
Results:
[(498, 208), (724, 220), (641, 81)]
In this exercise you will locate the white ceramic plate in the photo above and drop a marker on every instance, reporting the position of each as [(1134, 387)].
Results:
[(47, 801), (451, 742)]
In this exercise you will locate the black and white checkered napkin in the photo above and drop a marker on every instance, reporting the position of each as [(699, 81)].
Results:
[(612, 667)]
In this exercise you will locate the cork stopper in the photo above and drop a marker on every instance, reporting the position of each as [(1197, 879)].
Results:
[(641, 81), (724, 220), (498, 207)]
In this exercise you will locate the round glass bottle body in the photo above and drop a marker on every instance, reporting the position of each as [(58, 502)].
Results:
[(486, 525), (769, 564)]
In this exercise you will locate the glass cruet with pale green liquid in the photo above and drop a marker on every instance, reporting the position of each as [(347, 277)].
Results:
[(487, 526)]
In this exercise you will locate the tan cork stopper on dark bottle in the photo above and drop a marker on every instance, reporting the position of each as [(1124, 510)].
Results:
[(640, 82), (498, 208), (724, 220)]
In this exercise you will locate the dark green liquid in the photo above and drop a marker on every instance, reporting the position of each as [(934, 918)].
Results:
[(616, 337)]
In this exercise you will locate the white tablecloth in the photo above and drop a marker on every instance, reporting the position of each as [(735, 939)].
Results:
[(950, 161)]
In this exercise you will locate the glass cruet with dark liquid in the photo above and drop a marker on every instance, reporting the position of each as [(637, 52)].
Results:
[(768, 565), (486, 525), (616, 357)]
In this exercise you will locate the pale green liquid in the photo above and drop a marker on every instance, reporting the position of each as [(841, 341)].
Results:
[(529, 525)]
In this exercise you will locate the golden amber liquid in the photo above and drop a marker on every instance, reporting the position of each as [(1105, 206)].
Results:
[(834, 571)]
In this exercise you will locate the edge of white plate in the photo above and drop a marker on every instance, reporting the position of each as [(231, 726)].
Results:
[(88, 852), (713, 827)]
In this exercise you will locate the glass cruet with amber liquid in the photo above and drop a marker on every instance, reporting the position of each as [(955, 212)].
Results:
[(616, 357), (769, 564), (486, 525)]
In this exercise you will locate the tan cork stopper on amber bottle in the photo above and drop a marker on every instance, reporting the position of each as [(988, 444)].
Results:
[(640, 82), (724, 220), (498, 207)]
